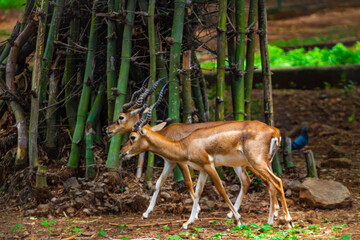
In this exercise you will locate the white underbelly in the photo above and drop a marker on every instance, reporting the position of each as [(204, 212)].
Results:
[(231, 160)]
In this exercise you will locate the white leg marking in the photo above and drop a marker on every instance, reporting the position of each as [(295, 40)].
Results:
[(165, 173), (241, 194), (199, 188)]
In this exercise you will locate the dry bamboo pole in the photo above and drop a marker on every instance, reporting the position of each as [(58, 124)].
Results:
[(70, 71), (266, 75), (250, 55), (186, 88), (110, 61), (35, 87), (22, 147), (310, 164), (85, 94), (237, 85), (10, 41), (114, 150)]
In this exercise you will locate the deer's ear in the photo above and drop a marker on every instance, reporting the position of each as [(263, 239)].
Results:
[(158, 127)]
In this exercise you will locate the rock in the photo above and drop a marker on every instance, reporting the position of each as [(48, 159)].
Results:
[(30, 212), (71, 183), (210, 204), (43, 209), (138, 203), (336, 163), (53, 200), (166, 195), (325, 194), (293, 185), (235, 188), (99, 192), (70, 210), (288, 193), (87, 211)]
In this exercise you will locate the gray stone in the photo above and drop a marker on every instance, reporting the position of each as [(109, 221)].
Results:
[(336, 163), (293, 185), (99, 192), (324, 194), (235, 188), (166, 195), (43, 209), (71, 183)]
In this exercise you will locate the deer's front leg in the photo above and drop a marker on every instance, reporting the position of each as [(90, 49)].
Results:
[(188, 182), (169, 166), (199, 189)]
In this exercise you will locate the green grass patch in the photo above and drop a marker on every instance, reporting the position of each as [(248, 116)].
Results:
[(12, 4), (338, 55)]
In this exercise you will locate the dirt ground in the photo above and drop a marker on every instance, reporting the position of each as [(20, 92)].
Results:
[(332, 133)]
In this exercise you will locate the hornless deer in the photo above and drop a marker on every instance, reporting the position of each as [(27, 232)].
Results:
[(250, 144)]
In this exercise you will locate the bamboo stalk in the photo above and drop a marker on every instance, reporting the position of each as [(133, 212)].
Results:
[(186, 88), (287, 153), (220, 79), (114, 150), (70, 71), (90, 131), (22, 148), (41, 181), (310, 164), (110, 61), (250, 55), (175, 48), (237, 85), (266, 74), (152, 50), (35, 88), (49, 49), (13, 36), (203, 88), (85, 94)]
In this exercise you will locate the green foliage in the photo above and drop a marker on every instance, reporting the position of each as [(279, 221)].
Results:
[(338, 55), (11, 4), (101, 232)]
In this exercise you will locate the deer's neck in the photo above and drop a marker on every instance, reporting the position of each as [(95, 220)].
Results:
[(172, 150)]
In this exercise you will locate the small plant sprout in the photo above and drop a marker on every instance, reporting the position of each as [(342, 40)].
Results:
[(101, 232), (166, 227), (16, 228), (122, 227)]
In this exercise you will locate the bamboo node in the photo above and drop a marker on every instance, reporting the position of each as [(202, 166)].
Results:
[(170, 40)]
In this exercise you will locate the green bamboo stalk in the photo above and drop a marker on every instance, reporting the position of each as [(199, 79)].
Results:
[(220, 82), (35, 87), (110, 60), (175, 48), (221, 55), (310, 164), (90, 131), (266, 74), (186, 88), (231, 48), (114, 150), (250, 55), (152, 50), (287, 154), (70, 71), (49, 49), (85, 94), (238, 80), (203, 87)]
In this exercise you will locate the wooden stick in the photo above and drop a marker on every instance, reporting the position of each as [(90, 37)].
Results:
[(310, 164)]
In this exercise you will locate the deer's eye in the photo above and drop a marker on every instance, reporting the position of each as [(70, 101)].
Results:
[(132, 138)]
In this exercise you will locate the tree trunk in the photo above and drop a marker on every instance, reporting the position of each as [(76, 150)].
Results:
[(250, 55), (85, 94), (114, 150), (35, 88), (287, 153), (310, 164)]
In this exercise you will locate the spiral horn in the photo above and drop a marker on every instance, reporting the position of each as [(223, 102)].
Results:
[(132, 102)]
